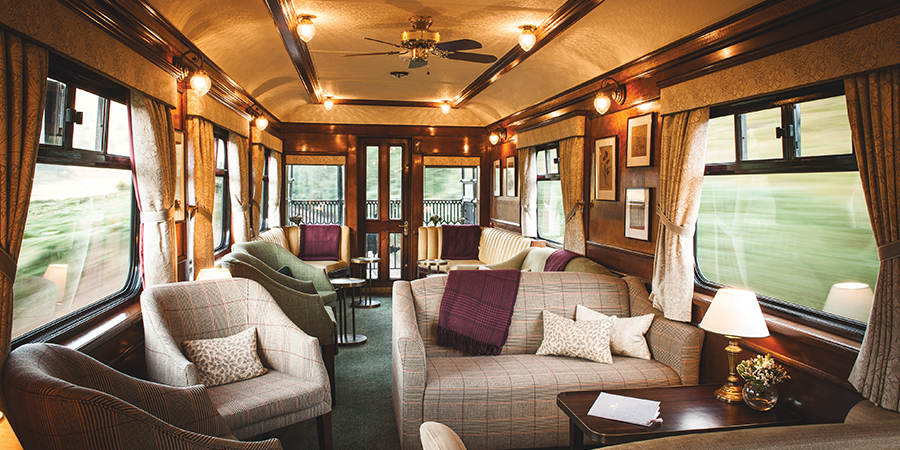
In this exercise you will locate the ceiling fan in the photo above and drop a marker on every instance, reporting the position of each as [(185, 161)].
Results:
[(416, 44)]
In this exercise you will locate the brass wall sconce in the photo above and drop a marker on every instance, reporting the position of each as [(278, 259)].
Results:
[(497, 136), (200, 81), (260, 120), (610, 91), (445, 107)]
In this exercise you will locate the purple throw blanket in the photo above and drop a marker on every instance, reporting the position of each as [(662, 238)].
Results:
[(557, 260), (476, 310), (320, 242), (460, 241)]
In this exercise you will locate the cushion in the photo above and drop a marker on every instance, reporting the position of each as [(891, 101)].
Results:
[(437, 436), (587, 339), (225, 360), (320, 242), (285, 270), (627, 338), (460, 241)]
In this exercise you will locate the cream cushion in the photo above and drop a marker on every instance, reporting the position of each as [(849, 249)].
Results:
[(627, 337), (496, 245), (437, 436), (587, 339)]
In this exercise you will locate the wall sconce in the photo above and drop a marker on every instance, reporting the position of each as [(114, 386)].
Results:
[(328, 103), (200, 81), (260, 120), (306, 29), (497, 136), (445, 107), (527, 39), (610, 91)]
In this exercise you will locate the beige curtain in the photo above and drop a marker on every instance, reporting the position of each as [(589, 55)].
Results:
[(201, 152), (23, 71), (873, 104), (153, 164), (527, 190), (239, 186), (257, 163), (571, 174), (275, 191), (682, 162)]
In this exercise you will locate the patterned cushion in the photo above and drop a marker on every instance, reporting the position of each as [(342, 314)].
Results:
[(588, 339), (225, 360), (627, 338)]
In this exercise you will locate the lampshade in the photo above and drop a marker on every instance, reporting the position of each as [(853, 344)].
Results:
[(328, 103), (213, 273), (734, 312), (200, 82), (261, 123), (527, 39), (851, 300), (306, 29)]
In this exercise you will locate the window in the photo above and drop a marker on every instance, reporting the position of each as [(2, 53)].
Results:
[(264, 198), (221, 220), (451, 193), (315, 194), (782, 210), (78, 255), (550, 215)]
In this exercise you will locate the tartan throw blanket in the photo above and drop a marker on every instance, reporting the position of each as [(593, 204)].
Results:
[(557, 260), (476, 310)]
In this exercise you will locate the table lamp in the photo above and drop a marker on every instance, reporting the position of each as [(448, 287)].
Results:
[(213, 273), (734, 314), (853, 300)]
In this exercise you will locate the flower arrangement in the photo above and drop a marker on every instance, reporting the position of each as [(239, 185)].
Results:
[(762, 372), (296, 219), (435, 219)]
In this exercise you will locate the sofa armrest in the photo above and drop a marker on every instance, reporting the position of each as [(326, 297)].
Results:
[(165, 362), (408, 363)]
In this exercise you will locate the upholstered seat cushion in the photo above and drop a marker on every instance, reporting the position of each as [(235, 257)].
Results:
[(329, 266)]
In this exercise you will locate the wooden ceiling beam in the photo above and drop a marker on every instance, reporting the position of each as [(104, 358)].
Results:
[(286, 21)]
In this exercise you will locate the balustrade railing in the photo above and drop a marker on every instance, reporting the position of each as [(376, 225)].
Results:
[(318, 211), (452, 211)]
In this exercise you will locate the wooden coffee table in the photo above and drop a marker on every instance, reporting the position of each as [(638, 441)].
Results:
[(684, 409)]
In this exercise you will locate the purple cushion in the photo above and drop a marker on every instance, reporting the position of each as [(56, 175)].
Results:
[(320, 242), (460, 241)]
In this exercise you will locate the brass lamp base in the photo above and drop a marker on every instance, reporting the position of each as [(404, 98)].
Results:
[(730, 393)]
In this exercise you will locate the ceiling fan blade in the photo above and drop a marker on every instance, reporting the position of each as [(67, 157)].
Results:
[(383, 42), (370, 54), (472, 57), (461, 44), (415, 63)]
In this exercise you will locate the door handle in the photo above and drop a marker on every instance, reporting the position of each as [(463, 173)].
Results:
[(405, 227)]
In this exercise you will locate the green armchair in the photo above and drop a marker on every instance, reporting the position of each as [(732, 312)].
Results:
[(276, 257)]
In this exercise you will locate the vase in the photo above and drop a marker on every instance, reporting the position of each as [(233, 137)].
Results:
[(760, 399)]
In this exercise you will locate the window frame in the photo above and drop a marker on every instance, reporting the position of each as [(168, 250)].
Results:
[(790, 162), (223, 245), (264, 198), (548, 176)]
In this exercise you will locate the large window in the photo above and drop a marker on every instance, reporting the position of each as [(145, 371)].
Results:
[(221, 220), (78, 252), (551, 220), (782, 211), (264, 198), (315, 194), (451, 193)]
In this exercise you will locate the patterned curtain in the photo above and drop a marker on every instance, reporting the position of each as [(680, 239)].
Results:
[(153, 166), (201, 152), (257, 163), (239, 185), (682, 162), (571, 174), (873, 104), (527, 190), (23, 70), (274, 189)]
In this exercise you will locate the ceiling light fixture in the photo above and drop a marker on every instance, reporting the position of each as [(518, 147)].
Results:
[(610, 91), (399, 74), (306, 29), (527, 39), (200, 81), (445, 107), (328, 103)]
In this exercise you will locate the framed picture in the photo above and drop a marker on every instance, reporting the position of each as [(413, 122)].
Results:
[(179, 176), (640, 138), (637, 213), (498, 190), (605, 168), (510, 176)]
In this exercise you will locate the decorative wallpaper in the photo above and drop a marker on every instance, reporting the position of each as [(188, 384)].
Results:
[(266, 139), (860, 50), (64, 31), (321, 160), (451, 161), (553, 132), (217, 113)]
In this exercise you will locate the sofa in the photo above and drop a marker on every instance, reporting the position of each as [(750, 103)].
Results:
[(509, 400), (495, 246), (532, 259), (289, 238)]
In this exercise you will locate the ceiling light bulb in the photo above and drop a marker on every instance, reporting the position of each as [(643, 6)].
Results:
[(306, 29), (602, 102), (494, 138), (527, 39), (329, 103), (200, 82), (445, 107), (261, 123)]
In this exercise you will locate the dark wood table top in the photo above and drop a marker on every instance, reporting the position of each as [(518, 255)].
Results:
[(684, 409)]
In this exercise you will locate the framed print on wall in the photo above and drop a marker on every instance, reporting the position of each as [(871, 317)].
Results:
[(637, 213), (640, 139), (605, 169), (497, 188), (510, 176)]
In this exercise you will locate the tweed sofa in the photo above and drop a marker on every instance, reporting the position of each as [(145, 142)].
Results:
[(532, 259), (289, 238), (496, 245), (509, 400)]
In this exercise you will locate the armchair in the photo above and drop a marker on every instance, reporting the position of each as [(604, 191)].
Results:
[(296, 386), (57, 397), (276, 257)]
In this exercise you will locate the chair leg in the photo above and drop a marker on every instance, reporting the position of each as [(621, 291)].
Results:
[(323, 426), (328, 352)]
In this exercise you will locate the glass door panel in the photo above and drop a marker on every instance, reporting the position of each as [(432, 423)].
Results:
[(372, 182), (386, 222)]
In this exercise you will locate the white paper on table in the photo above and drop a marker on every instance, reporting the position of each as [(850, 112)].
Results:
[(637, 411)]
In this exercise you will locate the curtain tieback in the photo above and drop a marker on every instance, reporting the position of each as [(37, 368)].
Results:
[(194, 210), (685, 232), (157, 216), (889, 251), (8, 265), (578, 205)]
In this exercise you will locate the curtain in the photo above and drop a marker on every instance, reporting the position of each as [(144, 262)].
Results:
[(873, 104), (527, 190), (257, 163), (23, 69), (682, 162), (274, 206), (201, 151), (571, 174), (239, 186), (153, 166)]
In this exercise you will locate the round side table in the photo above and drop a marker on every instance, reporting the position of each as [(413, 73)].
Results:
[(365, 264), (432, 266), (343, 286)]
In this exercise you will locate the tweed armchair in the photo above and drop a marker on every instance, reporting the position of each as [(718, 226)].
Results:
[(296, 386), (57, 397), (276, 257)]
